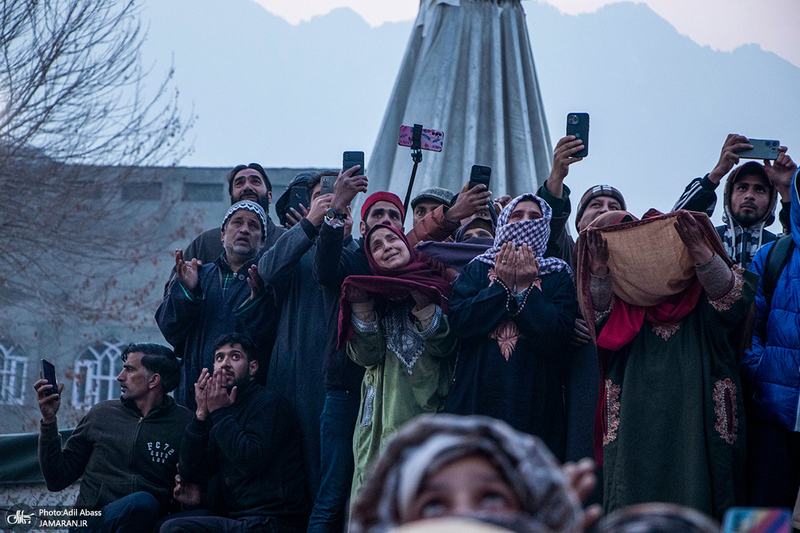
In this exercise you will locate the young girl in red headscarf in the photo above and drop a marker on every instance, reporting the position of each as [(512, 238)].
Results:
[(393, 324)]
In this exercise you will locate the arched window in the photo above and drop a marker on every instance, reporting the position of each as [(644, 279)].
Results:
[(96, 373), (13, 373)]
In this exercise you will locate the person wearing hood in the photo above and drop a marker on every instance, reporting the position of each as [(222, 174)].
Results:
[(514, 312), (771, 370), (751, 193)]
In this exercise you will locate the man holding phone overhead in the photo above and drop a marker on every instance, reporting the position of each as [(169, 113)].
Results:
[(751, 192), (125, 450)]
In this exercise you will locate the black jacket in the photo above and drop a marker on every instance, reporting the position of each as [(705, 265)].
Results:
[(117, 452), (250, 455)]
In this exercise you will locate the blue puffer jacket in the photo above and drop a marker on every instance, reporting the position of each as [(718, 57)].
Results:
[(772, 366)]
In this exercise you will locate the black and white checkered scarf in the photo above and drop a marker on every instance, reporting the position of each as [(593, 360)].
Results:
[(532, 232)]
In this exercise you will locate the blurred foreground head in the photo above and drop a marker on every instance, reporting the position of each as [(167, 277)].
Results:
[(657, 518), (468, 466)]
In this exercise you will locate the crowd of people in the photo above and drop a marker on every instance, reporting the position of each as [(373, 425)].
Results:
[(483, 365)]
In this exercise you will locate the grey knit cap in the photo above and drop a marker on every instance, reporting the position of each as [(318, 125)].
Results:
[(247, 205), (437, 194)]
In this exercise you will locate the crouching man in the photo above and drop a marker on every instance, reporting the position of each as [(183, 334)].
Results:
[(125, 450), (244, 446)]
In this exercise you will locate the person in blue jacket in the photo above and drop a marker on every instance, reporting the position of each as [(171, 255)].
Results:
[(771, 369)]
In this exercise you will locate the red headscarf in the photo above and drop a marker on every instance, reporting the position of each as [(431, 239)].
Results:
[(422, 273)]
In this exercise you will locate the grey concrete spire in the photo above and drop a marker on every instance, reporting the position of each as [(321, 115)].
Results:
[(468, 71)]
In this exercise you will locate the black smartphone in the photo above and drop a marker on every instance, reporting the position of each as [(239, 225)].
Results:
[(298, 196), (578, 125), (49, 373), (326, 185), (480, 175), (351, 159), (762, 149)]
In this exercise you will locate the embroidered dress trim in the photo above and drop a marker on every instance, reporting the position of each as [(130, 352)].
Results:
[(364, 327), (725, 302), (402, 337), (369, 398), (666, 331), (725, 408), (612, 412)]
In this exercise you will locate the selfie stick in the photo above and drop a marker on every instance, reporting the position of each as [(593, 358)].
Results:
[(416, 156)]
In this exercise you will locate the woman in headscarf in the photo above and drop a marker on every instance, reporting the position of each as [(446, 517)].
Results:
[(393, 324), (670, 309), (514, 312), (468, 466)]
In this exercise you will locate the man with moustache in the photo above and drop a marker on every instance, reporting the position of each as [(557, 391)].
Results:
[(202, 300)]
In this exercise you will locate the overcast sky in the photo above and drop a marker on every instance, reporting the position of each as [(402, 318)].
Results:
[(721, 24)]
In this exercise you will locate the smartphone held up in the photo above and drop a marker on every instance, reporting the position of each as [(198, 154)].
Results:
[(578, 125)]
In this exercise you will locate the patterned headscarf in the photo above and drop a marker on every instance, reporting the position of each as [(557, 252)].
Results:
[(247, 205), (429, 443), (534, 233)]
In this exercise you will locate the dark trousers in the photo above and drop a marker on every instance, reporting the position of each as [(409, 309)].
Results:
[(773, 464), (337, 424), (132, 513), (213, 524)]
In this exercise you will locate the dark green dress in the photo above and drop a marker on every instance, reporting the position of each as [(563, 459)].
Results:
[(674, 411)]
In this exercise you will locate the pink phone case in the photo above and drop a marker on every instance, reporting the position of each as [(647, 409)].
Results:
[(431, 139)]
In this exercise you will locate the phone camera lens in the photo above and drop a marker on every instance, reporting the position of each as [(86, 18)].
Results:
[(573, 119)]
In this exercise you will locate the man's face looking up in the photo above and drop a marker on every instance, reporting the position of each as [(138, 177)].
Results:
[(597, 206), (242, 234), (749, 200), (249, 184), (382, 212), (423, 208)]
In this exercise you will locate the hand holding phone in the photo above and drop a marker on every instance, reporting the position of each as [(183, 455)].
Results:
[(761, 149), (578, 125), (351, 159), (480, 175)]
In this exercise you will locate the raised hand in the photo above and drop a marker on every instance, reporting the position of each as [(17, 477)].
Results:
[(692, 236), (729, 157), (598, 250), (562, 159), (255, 282), (469, 202), (218, 396), (356, 295), (187, 271), (293, 217), (201, 390), (319, 206), (505, 265), (781, 172), (527, 267), (347, 187), (50, 403)]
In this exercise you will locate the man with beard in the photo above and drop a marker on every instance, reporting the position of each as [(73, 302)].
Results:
[(245, 182), (244, 444), (202, 300), (751, 193)]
